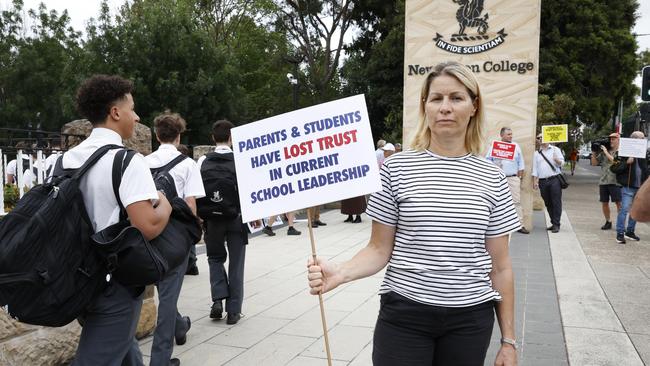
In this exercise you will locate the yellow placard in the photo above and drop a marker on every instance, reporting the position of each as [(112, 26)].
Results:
[(555, 133)]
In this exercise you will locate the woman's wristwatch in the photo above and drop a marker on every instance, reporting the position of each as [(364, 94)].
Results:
[(509, 341)]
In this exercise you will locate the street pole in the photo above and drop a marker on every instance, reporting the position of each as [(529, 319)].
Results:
[(295, 86)]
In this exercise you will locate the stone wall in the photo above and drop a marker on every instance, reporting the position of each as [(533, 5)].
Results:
[(140, 141), (26, 345)]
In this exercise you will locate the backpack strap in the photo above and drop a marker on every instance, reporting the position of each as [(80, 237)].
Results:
[(120, 163), (169, 166), (93, 159)]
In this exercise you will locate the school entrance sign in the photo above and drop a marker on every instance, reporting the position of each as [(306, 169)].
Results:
[(499, 41), (305, 158)]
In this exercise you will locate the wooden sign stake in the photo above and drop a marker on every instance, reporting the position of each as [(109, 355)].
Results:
[(320, 295)]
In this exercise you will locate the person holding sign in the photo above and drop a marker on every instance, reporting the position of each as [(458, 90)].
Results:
[(513, 169), (547, 163), (630, 172), (441, 223)]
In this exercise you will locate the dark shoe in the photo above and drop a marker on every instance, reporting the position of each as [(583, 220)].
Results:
[(314, 224), (192, 271), (217, 310), (357, 220), (550, 227), (233, 318), (555, 229), (349, 219), (620, 238), (174, 362), (632, 236), (319, 223), (523, 230), (292, 231), (268, 231), (182, 338), (607, 226)]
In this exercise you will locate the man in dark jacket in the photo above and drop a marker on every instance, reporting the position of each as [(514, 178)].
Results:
[(630, 174)]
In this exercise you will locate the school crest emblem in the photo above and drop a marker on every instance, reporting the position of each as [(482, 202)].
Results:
[(473, 27)]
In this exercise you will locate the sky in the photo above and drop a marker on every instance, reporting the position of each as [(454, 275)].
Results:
[(81, 11)]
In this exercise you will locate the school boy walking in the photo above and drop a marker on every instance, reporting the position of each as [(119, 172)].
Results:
[(227, 231), (189, 186), (109, 325)]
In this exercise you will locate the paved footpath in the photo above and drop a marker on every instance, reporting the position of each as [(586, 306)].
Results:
[(558, 284), (603, 287)]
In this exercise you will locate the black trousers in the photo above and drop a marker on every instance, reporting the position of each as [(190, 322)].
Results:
[(413, 334), (552, 195)]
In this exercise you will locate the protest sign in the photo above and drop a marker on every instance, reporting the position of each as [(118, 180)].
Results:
[(503, 150), (304, 158), (635, 148), (555, 133)]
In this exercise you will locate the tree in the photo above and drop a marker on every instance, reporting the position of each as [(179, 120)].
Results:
[(376, 63), (587, 51), (319, 29), (35, 63)]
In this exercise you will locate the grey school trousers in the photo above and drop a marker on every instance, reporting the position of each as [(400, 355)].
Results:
[(108, 333), (230, 285), (170, 322)]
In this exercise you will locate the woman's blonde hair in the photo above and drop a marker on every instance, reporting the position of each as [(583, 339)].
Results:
[(474, 135)]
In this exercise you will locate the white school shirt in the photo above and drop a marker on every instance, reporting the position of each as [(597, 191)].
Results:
[(50, 161), (97, 185), (220, 149), (28, 176), (186, 174), (541, 168)]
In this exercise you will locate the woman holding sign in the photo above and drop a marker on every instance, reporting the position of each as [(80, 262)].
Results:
[(441, 224)]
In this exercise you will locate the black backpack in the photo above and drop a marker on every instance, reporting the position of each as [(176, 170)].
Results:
[(221, 199), (49, 272), (163, 180)]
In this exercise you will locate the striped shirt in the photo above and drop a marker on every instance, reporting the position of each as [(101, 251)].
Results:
[(442, 210)]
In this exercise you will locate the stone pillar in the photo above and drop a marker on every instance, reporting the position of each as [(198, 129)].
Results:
[(27, 345), (201, 150)]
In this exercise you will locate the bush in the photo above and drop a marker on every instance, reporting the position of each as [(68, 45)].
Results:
[(11, 196)]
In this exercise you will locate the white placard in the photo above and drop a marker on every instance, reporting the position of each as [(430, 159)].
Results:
[(304, 158), (630, 147)]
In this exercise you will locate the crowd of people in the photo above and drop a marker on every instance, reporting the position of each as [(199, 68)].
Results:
[(441, 224)]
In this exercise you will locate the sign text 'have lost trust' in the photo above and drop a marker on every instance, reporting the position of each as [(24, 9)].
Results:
[(304, 158)]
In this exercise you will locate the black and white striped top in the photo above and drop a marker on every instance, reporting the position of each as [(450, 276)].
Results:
[(443, 209)]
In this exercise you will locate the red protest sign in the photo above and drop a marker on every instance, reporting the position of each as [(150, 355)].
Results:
[(503, 150)]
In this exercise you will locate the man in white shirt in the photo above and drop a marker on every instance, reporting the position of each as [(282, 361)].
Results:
[(189, 186), (109, 325), (514, 171), (547, 165), (28, 177), (50, 161), (380, 152)]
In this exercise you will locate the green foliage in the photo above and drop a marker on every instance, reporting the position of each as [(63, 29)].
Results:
[(376, 63), (11, 196), (212, 59), (34, 61), (587, 51)]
